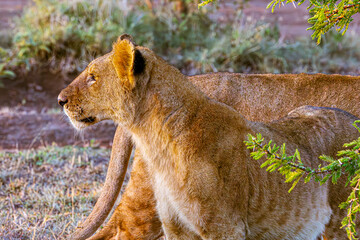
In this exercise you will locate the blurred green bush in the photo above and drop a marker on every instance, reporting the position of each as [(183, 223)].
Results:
[(63, 36)]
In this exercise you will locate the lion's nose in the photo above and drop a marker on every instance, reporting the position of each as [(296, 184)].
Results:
[(62, 100)]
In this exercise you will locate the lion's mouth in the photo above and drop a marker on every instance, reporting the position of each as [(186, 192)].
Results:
[(88, 120)]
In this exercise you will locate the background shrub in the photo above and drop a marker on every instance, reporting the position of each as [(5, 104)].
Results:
[(65, 35)]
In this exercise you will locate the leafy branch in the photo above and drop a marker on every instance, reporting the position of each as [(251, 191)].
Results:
[(291, 166), (353, 207), (324, 14)]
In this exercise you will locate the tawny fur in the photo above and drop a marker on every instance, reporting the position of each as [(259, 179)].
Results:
[(218, 132), (258, 99)]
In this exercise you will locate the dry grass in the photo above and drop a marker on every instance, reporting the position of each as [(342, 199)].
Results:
[(44, 193)]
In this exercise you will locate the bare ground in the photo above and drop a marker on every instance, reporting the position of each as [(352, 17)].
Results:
[(30, 116), (30, 129)]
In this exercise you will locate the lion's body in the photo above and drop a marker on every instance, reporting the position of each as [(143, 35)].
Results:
[(266, 97), (205, 184), (259, 97)]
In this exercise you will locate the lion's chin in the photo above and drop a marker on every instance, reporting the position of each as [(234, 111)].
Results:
[(80, 122), (88, 120), (79, 125)]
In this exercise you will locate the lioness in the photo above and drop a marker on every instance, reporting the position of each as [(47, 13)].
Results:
[(136, 218), (165, 122)]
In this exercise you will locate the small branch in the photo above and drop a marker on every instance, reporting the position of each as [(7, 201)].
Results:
[(302, 168), (349, 224), (335, 11), (329, 15)]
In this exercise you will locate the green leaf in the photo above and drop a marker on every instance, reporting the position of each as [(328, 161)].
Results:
[(325, 179), (294, 184), (307, 178), (336, 176)]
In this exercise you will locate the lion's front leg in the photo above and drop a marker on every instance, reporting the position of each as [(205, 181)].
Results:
[(135, 218), (174, 230)]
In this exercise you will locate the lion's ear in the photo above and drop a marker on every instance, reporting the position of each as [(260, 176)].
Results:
[(127, 61), (126, 36)]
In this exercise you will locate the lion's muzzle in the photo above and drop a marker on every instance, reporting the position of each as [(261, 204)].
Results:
[(62, 100)]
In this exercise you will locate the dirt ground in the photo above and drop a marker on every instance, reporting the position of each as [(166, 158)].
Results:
[(30, 116)]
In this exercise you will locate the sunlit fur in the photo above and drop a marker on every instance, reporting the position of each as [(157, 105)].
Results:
[(259, 97), (204, 181)]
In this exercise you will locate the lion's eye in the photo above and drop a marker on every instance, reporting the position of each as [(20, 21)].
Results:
[(91, 78)]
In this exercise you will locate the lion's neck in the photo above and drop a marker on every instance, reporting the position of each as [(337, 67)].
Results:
[(169, 107), (169, 116)]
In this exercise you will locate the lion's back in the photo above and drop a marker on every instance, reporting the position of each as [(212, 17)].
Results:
[(265, 97)]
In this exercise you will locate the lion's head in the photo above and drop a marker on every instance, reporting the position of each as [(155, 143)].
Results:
[(118, 75), (110, 87)]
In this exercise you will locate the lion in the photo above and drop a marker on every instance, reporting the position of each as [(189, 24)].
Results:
[(260, 97), (185, 189)]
